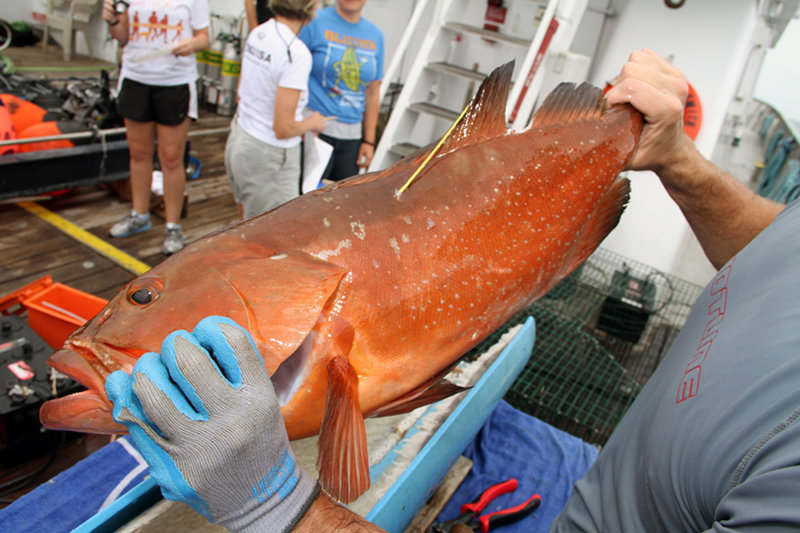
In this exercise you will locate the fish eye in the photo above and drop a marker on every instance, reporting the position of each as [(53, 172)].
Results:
[(142, 296), (144, 291)]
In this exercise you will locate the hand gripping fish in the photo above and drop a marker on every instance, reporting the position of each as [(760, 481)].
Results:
[(361, 299)]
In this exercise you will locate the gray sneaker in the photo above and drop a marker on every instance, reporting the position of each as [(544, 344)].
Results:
[(173, 241), (132, 223)]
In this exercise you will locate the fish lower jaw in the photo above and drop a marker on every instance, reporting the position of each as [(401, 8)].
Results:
[(86, 412)]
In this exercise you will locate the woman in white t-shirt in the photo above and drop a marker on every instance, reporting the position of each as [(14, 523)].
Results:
[(262, 155), (157, 97)]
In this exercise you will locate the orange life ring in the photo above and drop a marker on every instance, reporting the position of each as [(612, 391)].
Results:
[(692, 114)]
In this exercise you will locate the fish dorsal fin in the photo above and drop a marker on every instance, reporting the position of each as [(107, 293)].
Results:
[(342, 461), (486, 116), (604, 218), (566, 104)]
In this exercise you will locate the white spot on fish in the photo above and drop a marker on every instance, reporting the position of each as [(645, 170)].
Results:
[(279, 256), (359, 230), (430, 223), (326, 222), (407, 219), (394, 246), (405, 238), (325, 254)]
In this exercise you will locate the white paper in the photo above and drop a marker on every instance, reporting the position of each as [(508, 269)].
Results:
[(166, 50), (157, 185), (316, 154)]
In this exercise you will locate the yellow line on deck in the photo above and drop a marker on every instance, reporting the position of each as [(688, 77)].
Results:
[(84, 237)]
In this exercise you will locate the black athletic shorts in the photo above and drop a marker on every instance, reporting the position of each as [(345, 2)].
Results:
[(167, 105)]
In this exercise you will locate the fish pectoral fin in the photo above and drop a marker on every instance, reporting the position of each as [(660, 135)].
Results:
[(603, 219), (282, 295), (342, 461), (423, 395)]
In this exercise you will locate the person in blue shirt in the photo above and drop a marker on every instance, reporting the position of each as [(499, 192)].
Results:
[(345, 83)]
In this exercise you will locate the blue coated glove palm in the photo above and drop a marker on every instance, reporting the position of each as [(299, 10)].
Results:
[(205, 417)]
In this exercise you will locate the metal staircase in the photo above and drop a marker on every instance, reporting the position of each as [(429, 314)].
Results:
[(452, 45)]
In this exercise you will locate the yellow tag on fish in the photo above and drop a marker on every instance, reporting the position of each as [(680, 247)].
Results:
[(430, 155)]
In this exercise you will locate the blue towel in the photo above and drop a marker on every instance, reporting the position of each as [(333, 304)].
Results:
[(76, 494), (542, 458)]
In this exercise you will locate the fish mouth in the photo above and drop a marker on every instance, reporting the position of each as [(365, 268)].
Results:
[(88, 411)]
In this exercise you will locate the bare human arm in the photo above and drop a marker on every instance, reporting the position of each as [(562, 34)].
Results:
[(285, 125), (372, 104), (117, 23), (198, 41), (250, 13), (327, 515), (723, 213)]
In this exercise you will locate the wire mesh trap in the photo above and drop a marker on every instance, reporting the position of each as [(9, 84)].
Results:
[(600, 334)]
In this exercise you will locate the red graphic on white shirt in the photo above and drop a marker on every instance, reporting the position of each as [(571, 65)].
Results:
[(155, 29)]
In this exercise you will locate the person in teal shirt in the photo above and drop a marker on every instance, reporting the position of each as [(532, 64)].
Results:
[(345, 81)]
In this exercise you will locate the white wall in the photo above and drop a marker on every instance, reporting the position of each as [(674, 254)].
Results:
[(15, 11), (779, 82), (708, 40)]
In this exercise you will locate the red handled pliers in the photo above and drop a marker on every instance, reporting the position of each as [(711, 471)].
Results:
[(470, 511)]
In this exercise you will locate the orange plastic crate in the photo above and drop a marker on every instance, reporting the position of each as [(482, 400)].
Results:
[(58, 310)]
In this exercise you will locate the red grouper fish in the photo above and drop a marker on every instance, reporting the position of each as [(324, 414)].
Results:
[(360, 297)]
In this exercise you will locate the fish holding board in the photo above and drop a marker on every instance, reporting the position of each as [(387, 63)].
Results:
[(361, 298)]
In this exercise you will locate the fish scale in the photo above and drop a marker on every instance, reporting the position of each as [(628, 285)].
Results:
[(360, 298)]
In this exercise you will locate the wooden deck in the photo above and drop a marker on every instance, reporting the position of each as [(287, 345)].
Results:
[(31, 248)]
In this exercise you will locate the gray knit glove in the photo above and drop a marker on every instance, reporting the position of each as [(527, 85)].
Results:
[(205, 417)]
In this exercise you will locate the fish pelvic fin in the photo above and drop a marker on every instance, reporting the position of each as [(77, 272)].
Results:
[(424, 395), (603, 219), (486, 117), (568, 103), (342, 461)]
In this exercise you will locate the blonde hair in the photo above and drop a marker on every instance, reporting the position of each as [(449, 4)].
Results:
[(294, 9)]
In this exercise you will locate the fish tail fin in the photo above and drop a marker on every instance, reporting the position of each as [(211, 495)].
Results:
[(342, 462), (603, 219), (568, 103)]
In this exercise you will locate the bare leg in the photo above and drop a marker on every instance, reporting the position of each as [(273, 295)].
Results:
[(141, 139), (171, 147)]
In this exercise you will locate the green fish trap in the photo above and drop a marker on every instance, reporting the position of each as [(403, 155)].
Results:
[(600, 334)]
